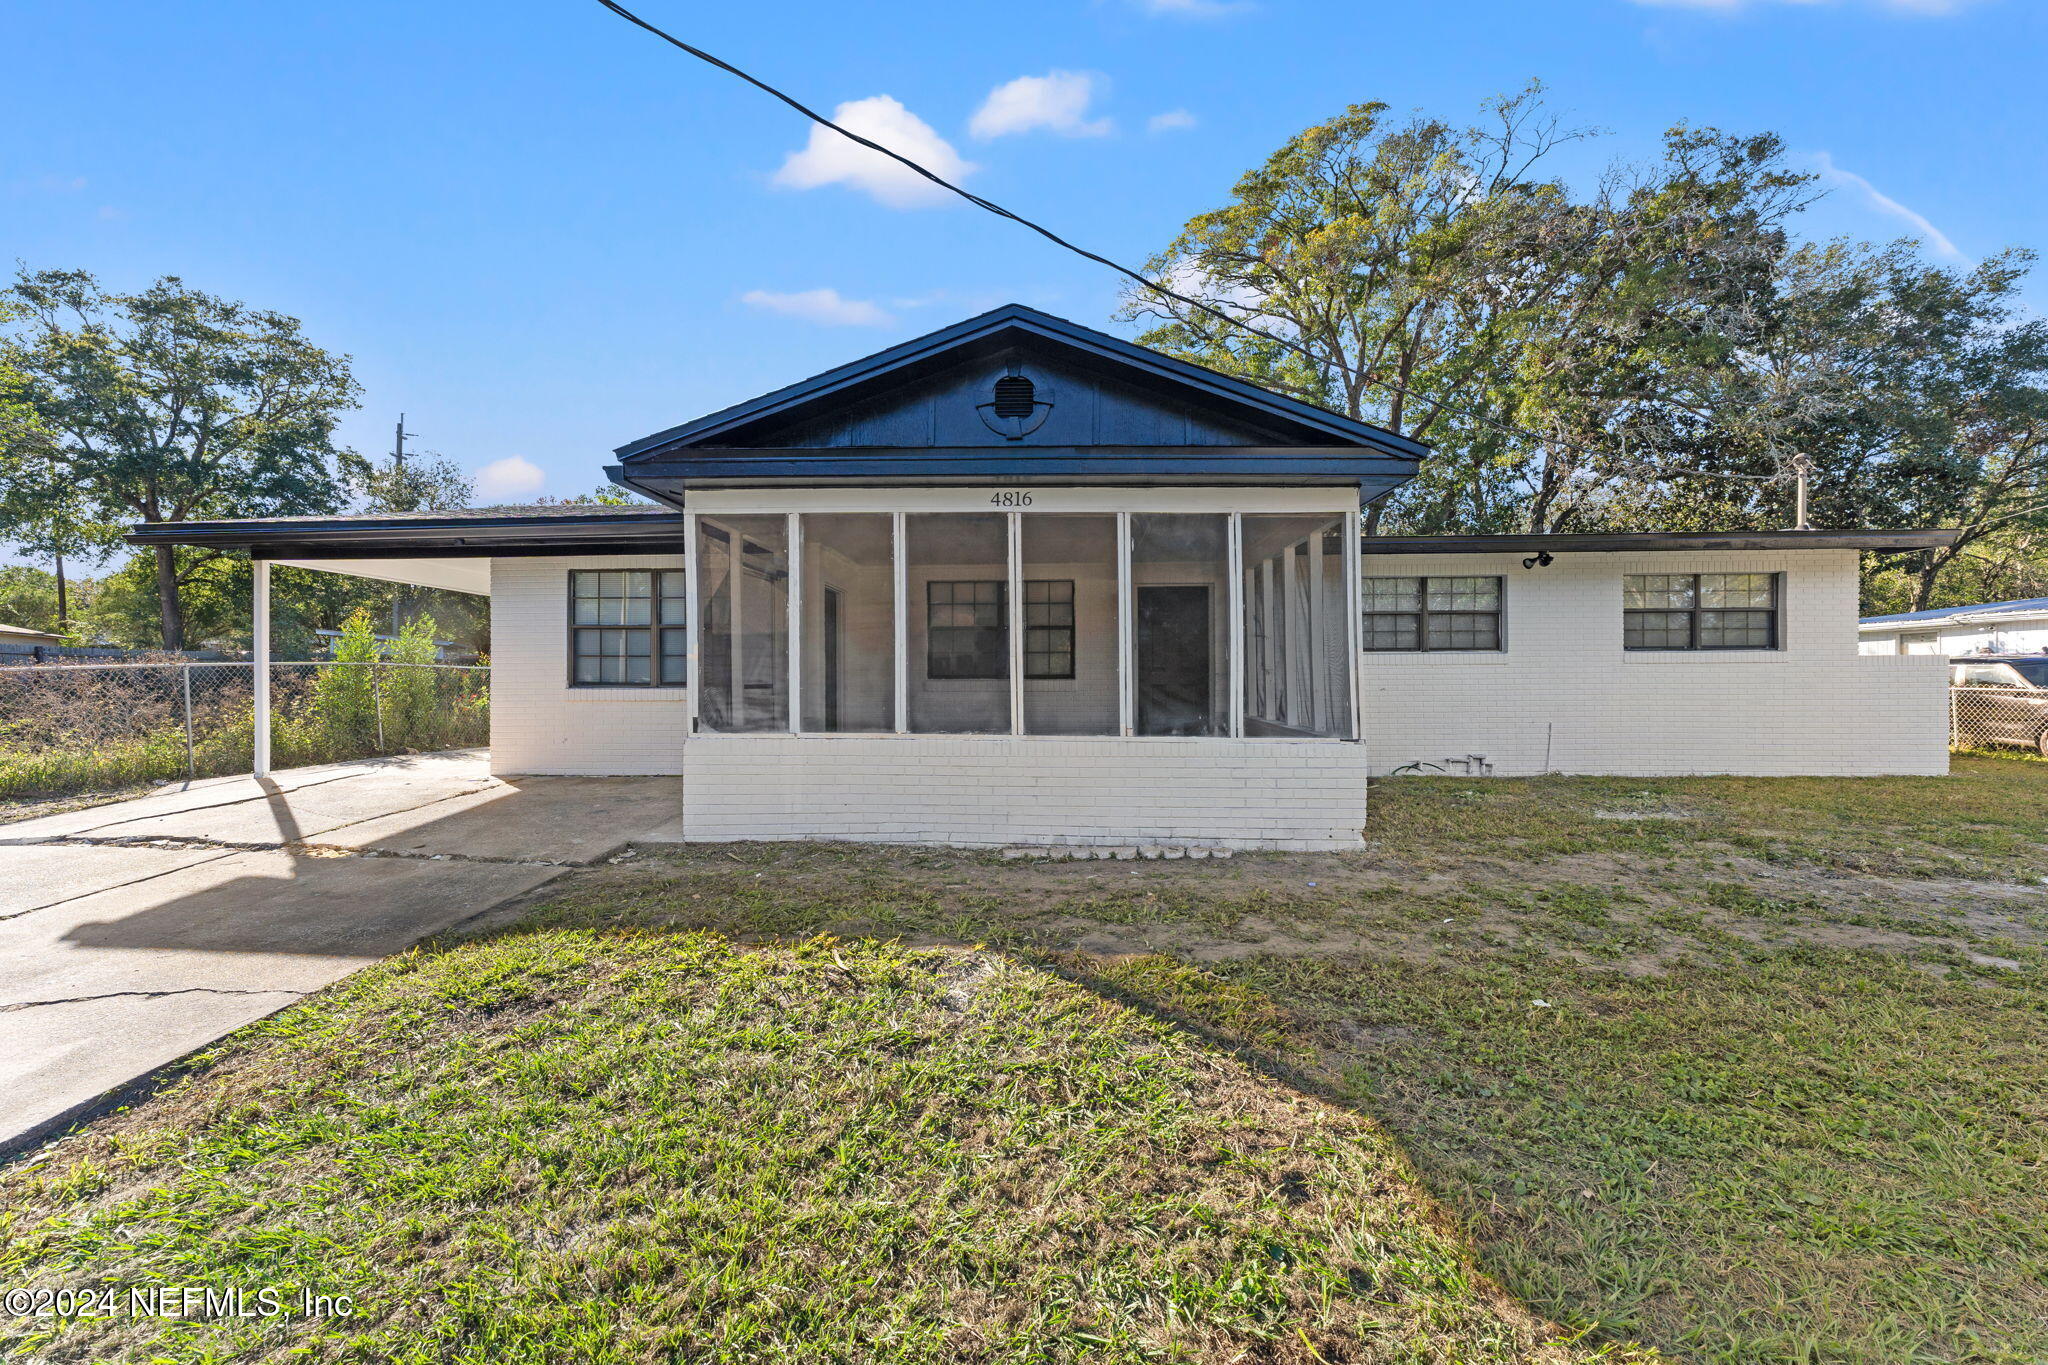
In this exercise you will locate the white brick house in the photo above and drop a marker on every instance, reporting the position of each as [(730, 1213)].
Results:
[(1018, 581)]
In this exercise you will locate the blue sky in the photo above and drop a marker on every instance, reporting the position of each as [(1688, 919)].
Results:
[(541, 233)]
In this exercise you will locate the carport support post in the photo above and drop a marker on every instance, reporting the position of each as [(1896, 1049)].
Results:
[(260, 665), (191, 761)]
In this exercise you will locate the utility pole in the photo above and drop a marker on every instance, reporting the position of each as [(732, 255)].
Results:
[(398, 458), (63, 602), (398, 496)]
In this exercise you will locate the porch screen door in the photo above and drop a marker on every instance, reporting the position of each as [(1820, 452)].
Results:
[(743, 624)]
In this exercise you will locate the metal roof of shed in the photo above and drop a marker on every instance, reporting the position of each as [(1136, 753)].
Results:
[(2022, 607)]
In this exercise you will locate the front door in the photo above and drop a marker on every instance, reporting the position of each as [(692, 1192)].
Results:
[(1175, 686)]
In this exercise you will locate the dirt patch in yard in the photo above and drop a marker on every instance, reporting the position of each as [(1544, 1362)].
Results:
[(16, 810), (1618, 910)]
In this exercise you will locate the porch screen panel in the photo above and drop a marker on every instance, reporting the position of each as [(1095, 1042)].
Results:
[(1180, 588), (1297, 668), (1070, 644), (958, 569), (849, 623), (743, 616)]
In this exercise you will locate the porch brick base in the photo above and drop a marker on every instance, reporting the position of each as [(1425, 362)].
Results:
[(998, 791)]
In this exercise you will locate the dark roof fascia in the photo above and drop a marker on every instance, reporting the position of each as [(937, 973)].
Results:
[(1657, 541), (1029, 320), (328, 549), (389, 537), (910, 466)]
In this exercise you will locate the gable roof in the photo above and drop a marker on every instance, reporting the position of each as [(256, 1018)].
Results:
[(1287, 420), (2020, 607)]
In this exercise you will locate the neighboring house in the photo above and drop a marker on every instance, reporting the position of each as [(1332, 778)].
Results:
[(1018, 581), (23, 639), (444, 650), (2016, 627), (20, 645)]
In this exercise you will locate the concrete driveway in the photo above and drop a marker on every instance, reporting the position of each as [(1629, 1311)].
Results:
[(132, 934)]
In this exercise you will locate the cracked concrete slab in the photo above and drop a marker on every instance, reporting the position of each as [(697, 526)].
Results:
[(301, 815), (103, 988), (49, 874), (214, 793), (118, 958), (528, 824)]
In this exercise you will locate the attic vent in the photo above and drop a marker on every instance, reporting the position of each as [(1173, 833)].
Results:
[(1015, 396)]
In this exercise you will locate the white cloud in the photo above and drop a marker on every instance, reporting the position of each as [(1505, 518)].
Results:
[(1930, 7), (514, 476), (1884, 203), (824, 306), (1186, 276), (1057, 101), (1172, 121), (830, 159), (1193, 9)]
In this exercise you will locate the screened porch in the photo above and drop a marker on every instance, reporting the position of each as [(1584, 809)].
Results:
[(1070, 622)]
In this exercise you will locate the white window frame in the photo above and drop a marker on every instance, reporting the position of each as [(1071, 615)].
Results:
[(1694, 648), (1422, 613)]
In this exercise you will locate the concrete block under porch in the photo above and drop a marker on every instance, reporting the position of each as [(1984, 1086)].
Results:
[(999, 791)]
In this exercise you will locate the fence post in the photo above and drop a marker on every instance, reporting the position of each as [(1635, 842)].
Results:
[(191, 765), (377, 700)]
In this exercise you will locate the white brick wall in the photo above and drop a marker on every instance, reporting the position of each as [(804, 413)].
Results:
[(540, 724), (992, 790), (1565, 697)]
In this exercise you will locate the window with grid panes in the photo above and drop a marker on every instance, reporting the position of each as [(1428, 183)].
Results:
[(1444, 613), (1049, 628), (1700, 611), (967, 628), (627, 628)]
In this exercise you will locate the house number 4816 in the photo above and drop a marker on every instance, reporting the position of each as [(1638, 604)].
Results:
[(1014, 497)]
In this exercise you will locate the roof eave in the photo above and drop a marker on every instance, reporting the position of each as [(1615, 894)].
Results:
[(1663, 542), (464, 536)]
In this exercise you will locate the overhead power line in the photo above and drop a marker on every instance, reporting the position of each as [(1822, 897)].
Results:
[(1138, 277)]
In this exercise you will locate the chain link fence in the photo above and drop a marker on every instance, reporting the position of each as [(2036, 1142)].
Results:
[(69, 728), (1981, 717)]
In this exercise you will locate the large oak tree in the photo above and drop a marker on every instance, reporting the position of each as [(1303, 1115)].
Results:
[(1654, 350), (169, 404)]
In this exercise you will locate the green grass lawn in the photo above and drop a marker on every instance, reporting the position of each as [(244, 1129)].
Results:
[(593, 1145), (1748, 1070)]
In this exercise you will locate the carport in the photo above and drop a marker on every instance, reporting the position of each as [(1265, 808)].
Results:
[(451, 550)]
